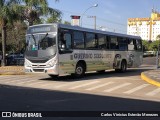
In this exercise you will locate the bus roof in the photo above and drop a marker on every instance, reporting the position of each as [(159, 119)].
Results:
[(89, 30)]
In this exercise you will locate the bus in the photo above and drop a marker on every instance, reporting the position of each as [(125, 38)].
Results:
[(59, 49)]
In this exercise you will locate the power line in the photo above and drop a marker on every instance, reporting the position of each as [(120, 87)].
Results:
[(102, 19)]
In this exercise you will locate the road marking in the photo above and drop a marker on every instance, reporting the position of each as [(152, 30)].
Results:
[(117, 87), (36, 83), (136, 89), (122, 78), (83, 85), (25, 82), (99, 86), (154, 92), (8, 78), (15, 80), (64, 85)]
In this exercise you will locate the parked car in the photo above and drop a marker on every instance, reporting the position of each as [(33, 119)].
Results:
[(15, 59), (149, 53)]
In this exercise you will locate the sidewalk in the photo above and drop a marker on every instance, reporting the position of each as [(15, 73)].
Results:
[(12, 70), (152, 77)]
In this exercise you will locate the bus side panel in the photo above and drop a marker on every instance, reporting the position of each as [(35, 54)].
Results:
[(135, 59), (66, 64), (100, 60)]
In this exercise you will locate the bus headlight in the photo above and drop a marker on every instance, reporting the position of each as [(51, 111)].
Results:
[(27, 63), (51, 63)]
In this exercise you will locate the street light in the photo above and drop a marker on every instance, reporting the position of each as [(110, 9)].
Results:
[(95, 5)]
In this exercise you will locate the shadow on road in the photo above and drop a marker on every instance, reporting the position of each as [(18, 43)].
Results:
[(28, 99), (94, 75)]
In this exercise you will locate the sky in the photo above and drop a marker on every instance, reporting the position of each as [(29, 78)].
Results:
[(112, 15)]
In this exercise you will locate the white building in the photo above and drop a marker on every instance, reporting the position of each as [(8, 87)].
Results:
[(147, 28)]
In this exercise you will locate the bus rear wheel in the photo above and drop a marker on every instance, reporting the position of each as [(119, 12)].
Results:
[(123, 67), (79, 71)]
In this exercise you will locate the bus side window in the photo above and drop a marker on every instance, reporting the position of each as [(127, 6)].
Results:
[(101, 41), (130, 44), (122, 43), (135, 45), (68, 40), (65, 41), (139, 44), (114, 43), (108, 42), (78, 39), (91, 41)]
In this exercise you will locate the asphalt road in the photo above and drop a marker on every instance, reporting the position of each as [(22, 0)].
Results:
[(26, 97)]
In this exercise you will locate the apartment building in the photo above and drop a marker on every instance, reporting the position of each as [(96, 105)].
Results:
[(147, 28)]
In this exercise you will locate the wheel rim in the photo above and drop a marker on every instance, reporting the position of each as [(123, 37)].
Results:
[(79, 70)]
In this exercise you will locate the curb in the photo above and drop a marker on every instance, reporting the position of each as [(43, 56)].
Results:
[(12, 73), (149, 80)]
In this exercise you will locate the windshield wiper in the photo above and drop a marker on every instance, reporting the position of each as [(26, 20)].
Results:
[(34, 39), (43, 38)]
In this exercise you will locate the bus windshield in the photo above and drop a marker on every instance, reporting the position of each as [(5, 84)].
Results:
[(41, 45)]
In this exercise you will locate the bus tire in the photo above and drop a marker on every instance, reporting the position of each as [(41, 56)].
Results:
[(123, 67), (54, 76), (101, 71), (79, 71)]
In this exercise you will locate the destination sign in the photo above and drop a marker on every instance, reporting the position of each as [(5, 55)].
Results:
[(41, 29)]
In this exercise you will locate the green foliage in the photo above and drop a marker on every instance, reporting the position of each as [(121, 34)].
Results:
[(54, 18), (146, 45), (66, 22), (8, 14), (16, 37), (153, 46), (34, 9)]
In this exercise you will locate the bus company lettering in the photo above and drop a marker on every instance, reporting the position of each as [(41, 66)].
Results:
[(91, 56), (83, 56)]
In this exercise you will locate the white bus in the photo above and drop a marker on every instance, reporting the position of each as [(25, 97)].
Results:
[(58, 49)]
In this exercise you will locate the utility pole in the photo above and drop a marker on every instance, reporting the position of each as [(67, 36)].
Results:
[(94, 21), (95, 5)]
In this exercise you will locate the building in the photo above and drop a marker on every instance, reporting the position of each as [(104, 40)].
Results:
[(147, 28)]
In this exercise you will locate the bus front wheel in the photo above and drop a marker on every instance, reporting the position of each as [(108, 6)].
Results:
[(123, 67), (79, 71), (54, 76)]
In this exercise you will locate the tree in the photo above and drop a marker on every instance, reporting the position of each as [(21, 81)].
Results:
[(67, 23), (33, 9), (146, 45), (54, 18), (16, 37), (158, 37), (7, 16)]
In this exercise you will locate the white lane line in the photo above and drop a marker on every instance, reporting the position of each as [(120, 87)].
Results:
[(83, 85), (117, 87), (12, 81), (154, 92), (36, 83), (99, 86), (9, 78), (25, 82), (136, 89), (63, 85)]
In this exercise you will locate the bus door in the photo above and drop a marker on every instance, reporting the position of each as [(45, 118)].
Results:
[(66, 63)]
